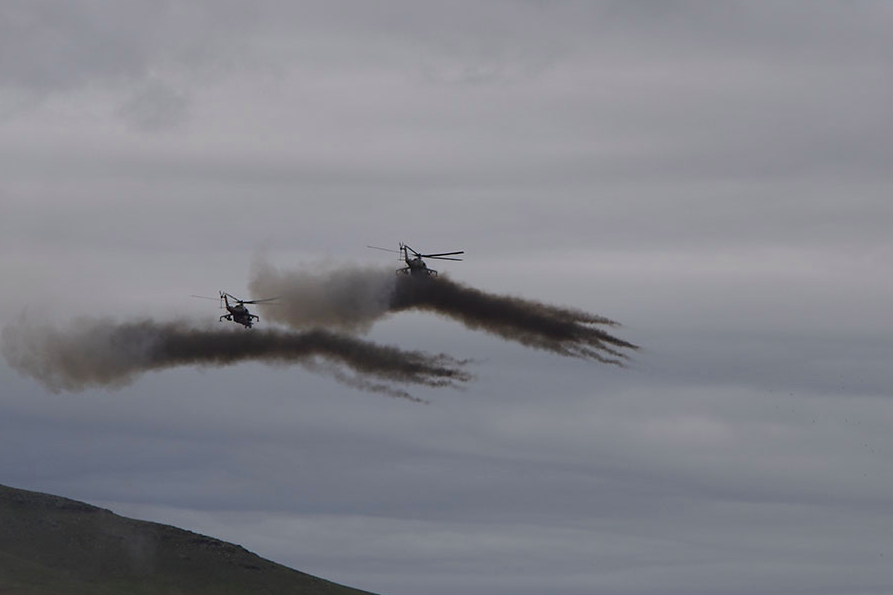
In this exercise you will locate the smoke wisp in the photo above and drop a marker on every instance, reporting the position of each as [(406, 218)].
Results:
[(102, 352), (348, 297), (352, 298)]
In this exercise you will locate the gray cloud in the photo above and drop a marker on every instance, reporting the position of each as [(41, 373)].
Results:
[(156, 106), (714, 177)]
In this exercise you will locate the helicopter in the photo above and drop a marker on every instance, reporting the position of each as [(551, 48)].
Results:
[(237, 312), (415, 266)]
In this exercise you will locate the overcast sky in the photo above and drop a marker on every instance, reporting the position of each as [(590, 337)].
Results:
[(715, 176)]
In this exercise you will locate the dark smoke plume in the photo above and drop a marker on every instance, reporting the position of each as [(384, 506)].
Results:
[(102, 352), (563, 330), (353, 298)]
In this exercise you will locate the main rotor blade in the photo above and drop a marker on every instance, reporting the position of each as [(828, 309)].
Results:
[(385, 249), (204, 297), (440, 257), (441, 254), (261, 301)]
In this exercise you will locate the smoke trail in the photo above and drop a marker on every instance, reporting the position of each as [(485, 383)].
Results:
[(353, 298), (563, 330), (102, 352)]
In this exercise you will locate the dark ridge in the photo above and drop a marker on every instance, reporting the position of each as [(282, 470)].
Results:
[(56, 546)]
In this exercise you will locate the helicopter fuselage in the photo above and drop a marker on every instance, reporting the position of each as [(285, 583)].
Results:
[(417, 267), (239, 313)]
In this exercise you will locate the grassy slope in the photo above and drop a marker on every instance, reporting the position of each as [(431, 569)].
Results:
[(54, 546)]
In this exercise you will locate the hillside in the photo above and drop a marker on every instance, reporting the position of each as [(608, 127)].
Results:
[(56, 546)]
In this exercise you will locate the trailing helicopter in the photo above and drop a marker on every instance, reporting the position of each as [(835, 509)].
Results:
[(415, 266), (237, 312)]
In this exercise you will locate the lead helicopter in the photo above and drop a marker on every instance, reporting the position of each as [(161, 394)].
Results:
[(415, 266), (237, 312)]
